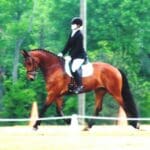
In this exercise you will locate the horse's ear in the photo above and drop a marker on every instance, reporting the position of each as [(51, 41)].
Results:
[(25, 53)]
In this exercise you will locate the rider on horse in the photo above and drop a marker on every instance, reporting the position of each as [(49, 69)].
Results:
[(74, 47)]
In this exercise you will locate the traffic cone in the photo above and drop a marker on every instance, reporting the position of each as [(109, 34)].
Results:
[(34, 114), (122, 121)]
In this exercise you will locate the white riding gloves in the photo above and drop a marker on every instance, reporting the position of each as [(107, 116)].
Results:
[(60, 55)]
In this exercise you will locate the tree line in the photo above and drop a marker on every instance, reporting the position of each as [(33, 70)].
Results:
[(117, 33)]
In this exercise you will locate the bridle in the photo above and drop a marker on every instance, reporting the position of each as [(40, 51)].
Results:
[(33, 71)]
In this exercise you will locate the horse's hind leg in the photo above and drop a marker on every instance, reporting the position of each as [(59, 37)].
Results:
[(59, 104), (128, 109), (99, 94)]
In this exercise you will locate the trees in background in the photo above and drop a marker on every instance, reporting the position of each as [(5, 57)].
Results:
[(117, 33)]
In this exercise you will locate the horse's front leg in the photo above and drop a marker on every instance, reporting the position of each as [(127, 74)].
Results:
[(48, 102), (41, 114), (59, 105)]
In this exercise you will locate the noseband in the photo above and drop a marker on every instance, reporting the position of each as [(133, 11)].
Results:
[(32, 72)]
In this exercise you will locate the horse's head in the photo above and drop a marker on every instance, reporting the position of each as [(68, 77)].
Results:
[(31, 65)]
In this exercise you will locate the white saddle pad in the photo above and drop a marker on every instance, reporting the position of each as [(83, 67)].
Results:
[(87, 69)]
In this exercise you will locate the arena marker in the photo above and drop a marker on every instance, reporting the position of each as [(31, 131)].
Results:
[(34, 114)]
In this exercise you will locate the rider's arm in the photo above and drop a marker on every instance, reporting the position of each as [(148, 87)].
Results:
[(67, 46)]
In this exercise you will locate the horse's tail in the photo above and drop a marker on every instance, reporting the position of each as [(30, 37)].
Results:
[(130, 107)]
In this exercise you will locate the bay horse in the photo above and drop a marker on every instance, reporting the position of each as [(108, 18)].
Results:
[(105, 79)]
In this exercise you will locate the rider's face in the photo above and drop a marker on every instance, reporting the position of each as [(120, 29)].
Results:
[(74, 26)]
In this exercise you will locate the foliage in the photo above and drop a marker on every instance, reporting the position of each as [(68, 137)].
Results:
[(117, 33)]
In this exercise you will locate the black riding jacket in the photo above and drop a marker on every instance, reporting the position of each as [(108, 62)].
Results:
[(74, 46)]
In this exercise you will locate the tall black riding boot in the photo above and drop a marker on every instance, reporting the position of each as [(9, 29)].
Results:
[(78, 80)]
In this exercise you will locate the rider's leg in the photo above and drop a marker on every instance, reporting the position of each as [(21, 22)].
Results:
[(78, 80), (77, 73)]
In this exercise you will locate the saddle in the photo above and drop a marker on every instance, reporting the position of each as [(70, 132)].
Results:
[(86, 69)]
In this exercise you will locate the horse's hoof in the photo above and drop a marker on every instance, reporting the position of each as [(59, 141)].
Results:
[(85, 129), (135, 125), (138, 126), (68, 121), (90, 125), (35, 128)]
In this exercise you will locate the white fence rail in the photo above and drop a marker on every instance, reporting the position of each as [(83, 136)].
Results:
[(71, 117)]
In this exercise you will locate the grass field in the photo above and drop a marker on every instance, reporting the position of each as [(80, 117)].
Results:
[(73, 138)]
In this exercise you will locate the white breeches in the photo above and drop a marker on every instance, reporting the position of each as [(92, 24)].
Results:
[(76, 64)]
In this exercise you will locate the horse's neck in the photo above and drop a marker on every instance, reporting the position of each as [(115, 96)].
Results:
[(48, 63)]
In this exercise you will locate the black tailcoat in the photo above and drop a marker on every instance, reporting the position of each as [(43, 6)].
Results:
[(74, 46)]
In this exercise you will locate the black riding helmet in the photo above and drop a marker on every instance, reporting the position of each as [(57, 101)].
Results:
[(77, 21)]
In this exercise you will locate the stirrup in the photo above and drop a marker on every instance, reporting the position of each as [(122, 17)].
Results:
[(78, 89)]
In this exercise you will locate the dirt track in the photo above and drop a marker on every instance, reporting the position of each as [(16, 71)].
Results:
[(72, 138)]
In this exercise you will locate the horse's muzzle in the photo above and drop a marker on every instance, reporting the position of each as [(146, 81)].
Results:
[(31, 75)]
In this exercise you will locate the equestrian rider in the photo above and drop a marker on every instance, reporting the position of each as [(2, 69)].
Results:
[(74, 47)]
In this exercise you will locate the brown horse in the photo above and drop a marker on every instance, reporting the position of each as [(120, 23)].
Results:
[(105, 79)]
